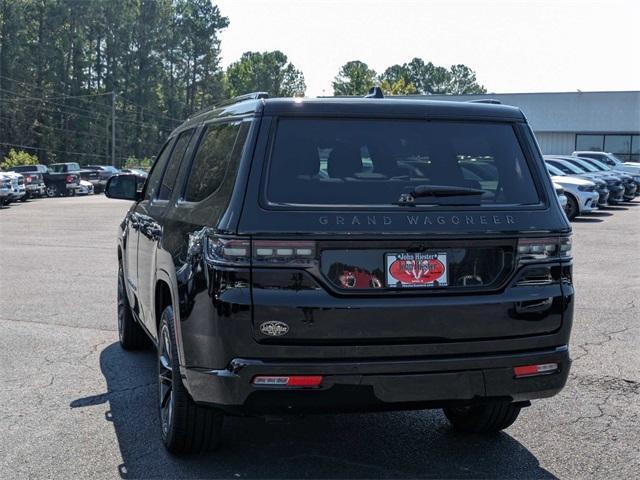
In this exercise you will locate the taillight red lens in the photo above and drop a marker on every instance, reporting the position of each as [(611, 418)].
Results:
[(532, 370), (288, 381), (69, 179), (28, 178)]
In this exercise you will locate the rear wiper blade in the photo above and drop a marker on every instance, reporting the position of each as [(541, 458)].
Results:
[(436, 191)]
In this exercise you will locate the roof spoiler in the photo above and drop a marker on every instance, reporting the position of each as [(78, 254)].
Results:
[(492, 101), (231, 101)]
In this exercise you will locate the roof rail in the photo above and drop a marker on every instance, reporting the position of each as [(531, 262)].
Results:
[(374, 92), (492, 101)]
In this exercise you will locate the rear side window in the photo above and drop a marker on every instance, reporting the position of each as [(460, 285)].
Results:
[(156, 171), (169, 178), (220, 147), (373, 162)]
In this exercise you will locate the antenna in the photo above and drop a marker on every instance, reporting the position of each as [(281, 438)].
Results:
[(374, 92)]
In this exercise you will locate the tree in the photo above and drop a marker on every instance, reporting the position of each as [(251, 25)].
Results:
[(463, 80), (264, 72), (61, 59), (399, 87), (432, 79), (21, 157), (354, 78)]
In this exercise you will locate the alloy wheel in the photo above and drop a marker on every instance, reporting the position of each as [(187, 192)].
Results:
[(165, 377)]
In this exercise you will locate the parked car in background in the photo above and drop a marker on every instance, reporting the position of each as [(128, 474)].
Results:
[(610, 159), (630, 187), (85, 188), (614, 185), (562, 198), (62, 179), (99, 175), (18, 190), (581, 194), (141, 176), (5, 188), (603, 167), (33, 179), (600, 185)]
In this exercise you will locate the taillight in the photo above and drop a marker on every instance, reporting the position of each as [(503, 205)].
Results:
[(533, 370), (232, 251), (285, 252), (299, 381), (243, 252), (69, 178), (27, 179), (539, 249)]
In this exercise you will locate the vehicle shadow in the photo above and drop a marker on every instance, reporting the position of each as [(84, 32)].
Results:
[(392, 445), (587, 220), (600, 213), (615, 207)]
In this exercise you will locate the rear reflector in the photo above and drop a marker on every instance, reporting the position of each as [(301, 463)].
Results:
[(290, 381), (531, 370)]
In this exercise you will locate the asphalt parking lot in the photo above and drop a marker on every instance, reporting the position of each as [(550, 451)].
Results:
[(75, 405)]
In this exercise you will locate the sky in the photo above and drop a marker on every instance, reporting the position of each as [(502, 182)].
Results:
[(513, 45)]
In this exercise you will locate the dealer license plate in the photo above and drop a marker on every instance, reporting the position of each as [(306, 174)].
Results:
[(424, 269)]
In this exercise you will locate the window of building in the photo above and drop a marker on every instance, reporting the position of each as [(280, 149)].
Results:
[(618, 144), (635, 148), (589, 142)]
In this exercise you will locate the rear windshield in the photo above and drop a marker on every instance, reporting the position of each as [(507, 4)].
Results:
[(374, 162)]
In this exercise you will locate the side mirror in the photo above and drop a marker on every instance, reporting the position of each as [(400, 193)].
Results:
[(123, 186)]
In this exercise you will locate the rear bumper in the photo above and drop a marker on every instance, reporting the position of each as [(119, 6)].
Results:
[(362, 385)]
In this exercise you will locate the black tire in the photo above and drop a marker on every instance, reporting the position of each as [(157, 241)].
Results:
[(52, 191), (489, 417), (572, 207), (186, 427), (132, 337), (25, 197)]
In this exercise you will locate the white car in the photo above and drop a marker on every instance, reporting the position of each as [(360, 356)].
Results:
[(18, 190), (581, 194), (611, 160), (85, 188), (5, 188), (562, 198)]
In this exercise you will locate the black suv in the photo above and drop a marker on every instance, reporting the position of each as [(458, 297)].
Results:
[(346, 254)]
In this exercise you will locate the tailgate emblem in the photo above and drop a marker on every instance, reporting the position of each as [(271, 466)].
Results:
[(273, 328)]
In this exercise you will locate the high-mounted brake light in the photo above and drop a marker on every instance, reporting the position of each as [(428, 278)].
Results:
[(305, 381), (533, 370), (536, 249)]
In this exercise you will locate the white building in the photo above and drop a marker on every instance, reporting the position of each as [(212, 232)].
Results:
[(568, 121)]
